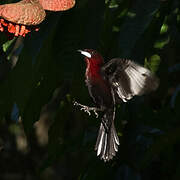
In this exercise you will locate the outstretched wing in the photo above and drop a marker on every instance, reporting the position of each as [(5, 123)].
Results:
[(129, 78)]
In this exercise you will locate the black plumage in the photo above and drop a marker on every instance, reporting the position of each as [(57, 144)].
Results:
[(119, 79)]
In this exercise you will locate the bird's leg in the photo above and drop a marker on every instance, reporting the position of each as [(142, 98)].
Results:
[(87, 109)]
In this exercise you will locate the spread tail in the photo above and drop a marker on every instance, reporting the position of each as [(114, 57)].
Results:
[(107, 140)]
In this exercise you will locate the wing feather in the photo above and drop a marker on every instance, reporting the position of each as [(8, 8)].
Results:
[(129, 78)]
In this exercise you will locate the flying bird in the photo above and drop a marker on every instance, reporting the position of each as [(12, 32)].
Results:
[(108, 84)]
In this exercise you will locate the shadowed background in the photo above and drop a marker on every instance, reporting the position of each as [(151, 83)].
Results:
[(42, 136)]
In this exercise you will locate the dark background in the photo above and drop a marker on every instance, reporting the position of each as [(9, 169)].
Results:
[(43, 136)]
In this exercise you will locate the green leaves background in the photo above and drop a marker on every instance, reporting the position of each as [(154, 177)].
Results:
[(50, 138)]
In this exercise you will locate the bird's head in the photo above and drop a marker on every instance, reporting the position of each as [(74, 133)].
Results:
[(92, 57)]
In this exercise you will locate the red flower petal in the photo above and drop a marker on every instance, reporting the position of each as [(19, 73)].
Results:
[(57, 5), (3, 22), (11, 28), (26, 12)]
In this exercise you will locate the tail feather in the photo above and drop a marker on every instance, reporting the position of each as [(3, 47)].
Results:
[(107, 142)]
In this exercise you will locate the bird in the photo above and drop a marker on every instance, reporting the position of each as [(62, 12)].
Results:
[(111, 83)]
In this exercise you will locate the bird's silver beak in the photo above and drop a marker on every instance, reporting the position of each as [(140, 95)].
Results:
[(85, 53)]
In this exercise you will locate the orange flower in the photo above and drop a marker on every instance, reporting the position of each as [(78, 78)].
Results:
[(19, 17), (22, 17)]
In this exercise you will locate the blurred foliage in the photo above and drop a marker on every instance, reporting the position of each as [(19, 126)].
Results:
[(42, 136)]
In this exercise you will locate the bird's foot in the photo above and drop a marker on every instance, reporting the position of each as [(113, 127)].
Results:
[(87, 109)]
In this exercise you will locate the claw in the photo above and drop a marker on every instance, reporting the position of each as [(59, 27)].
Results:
[(75, 103), (87, 109), (97, 115)]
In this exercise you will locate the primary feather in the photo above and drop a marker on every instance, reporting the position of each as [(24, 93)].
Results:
[(129, 78)]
